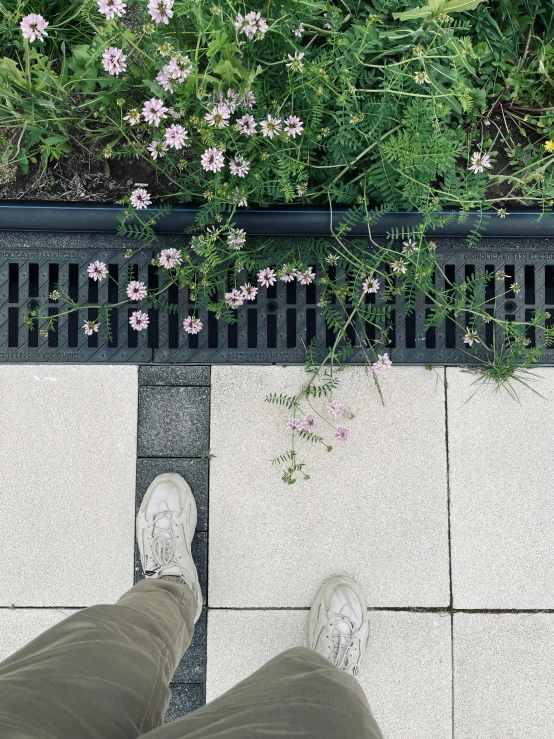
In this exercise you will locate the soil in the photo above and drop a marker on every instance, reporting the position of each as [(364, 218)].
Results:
[(82, 176)]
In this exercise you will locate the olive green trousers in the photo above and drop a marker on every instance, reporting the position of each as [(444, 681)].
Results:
[(103, 673)]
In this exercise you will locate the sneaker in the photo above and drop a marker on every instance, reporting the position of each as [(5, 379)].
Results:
[(339, 627), (166, 522)]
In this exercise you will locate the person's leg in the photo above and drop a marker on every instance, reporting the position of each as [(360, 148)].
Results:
[(297, 694), (103, 673), (308, 693)]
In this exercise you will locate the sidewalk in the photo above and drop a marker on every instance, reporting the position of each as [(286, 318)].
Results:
[(442, 511)]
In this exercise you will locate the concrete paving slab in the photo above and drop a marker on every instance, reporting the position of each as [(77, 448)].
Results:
[(21, 625), (502, 507), (503, 679), (67, 471), (375, 509), (173, 421), (406, 673)]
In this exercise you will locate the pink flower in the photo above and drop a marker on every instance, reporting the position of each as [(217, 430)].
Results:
[(271, 126), (307, 277), (249, 292), (293, 126), (162, 78), (239, 166), (471, 337), (97, 270), (192, 325), (234, 298), (176, 135), (160, 10), (246, 125), (90, 327), (409, 246), (236, 238), (244, 26), (158, 149), (298, 31), (153, 111), (383, 364), (309, 423), (33, 27), (251, 25), (111, 8), (139, 320), (335, 410), (136, 290), (179, 67), (239, 199), (169, 258), (114, 61), (342, 434), (267, 277), (293, 425), (219, 117), (212, 160), (479, 162), (370, 286), (254, 18), (140, 198), (232, 99), (133, 116), (287, 274), (248, 100)]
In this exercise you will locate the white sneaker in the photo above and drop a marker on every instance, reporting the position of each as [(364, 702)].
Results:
[(166, 522), (339, 627)]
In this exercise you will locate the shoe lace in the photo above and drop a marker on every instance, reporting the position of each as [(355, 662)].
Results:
[(163, 538), (343, 634)]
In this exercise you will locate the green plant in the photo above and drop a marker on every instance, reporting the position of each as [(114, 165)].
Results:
[(377, 105)]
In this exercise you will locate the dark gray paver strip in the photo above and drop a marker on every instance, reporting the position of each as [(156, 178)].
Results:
[(173, 421), (173, 432), (187, 376)]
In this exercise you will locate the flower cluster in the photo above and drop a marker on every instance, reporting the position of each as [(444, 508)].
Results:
[(252, 25)]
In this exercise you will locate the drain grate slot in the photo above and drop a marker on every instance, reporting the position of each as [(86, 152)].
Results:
[(279, 324)]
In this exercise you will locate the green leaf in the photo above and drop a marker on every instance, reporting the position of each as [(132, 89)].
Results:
[(459, 6), (82, 52), (413, 13), (216, 43), (13, 71), (23, 161), (438, 6), (227, 72)]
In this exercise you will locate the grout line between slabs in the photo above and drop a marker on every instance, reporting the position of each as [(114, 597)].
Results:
[(448, 504), (387, 609), (208, 537)]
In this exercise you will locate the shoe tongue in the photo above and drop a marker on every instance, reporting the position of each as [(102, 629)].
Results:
[(348, 613), (343, 627), (162, 524)]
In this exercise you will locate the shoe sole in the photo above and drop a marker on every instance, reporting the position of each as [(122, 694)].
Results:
[(319, 598), (178, 481)]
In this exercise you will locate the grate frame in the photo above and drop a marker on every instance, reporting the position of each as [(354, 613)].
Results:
[(272, 330)]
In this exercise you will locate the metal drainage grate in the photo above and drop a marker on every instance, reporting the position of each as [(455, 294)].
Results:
[(275, 328)]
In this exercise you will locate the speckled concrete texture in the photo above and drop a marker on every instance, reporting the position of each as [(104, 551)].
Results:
[(406, 673), (173, 421), (21, 625), (502, 507), (503, 677), (67, 483), (375, 509)]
